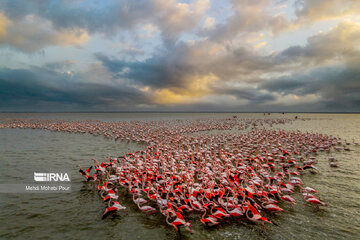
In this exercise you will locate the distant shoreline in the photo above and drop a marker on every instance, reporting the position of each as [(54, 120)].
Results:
[(275, 112)]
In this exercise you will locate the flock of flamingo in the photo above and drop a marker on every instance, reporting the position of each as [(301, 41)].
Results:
[(214, 170)]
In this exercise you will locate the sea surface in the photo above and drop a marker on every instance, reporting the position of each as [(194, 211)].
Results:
[(77, 215)]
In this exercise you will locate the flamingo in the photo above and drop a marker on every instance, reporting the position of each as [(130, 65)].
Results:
[(314, 201), (288, 199), (147, 209), (236, 212), (110, 195), (178, 222), (271, 207), (210, 221), (220, 213), (113, 209)]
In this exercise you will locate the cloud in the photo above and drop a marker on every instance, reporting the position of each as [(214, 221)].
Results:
[(170, 77), (324, 70), (335, 88), (197, 87), (164, 70), (209, 23), (61, 65), (340, 42), (244, 74), (32, 34), (252, 95), (248, 17), (110, 17), (175, 67), (105, 17), (4, 23), (29, 89), (317, 10), (174, 18)]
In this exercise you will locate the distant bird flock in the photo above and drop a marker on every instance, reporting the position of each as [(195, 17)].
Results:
[(207, 170)]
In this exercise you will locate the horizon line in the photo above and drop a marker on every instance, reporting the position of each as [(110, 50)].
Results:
[(281, 112)]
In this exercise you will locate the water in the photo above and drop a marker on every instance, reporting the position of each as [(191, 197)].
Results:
[(77, 215)]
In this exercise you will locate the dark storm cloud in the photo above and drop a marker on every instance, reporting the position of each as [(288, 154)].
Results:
[(337, 84), (162, 70), (171, 67), (283, 84), (26, 89), (242, 61), (253, 95), (338, 87)]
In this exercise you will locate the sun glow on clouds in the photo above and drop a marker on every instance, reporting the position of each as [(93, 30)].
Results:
[(260, 45), (198, 87), (209, 23), (4, 22)]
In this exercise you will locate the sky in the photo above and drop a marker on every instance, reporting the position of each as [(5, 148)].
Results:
[(189, 55)]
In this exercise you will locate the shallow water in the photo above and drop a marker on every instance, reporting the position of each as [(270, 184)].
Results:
[(77, 215)]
